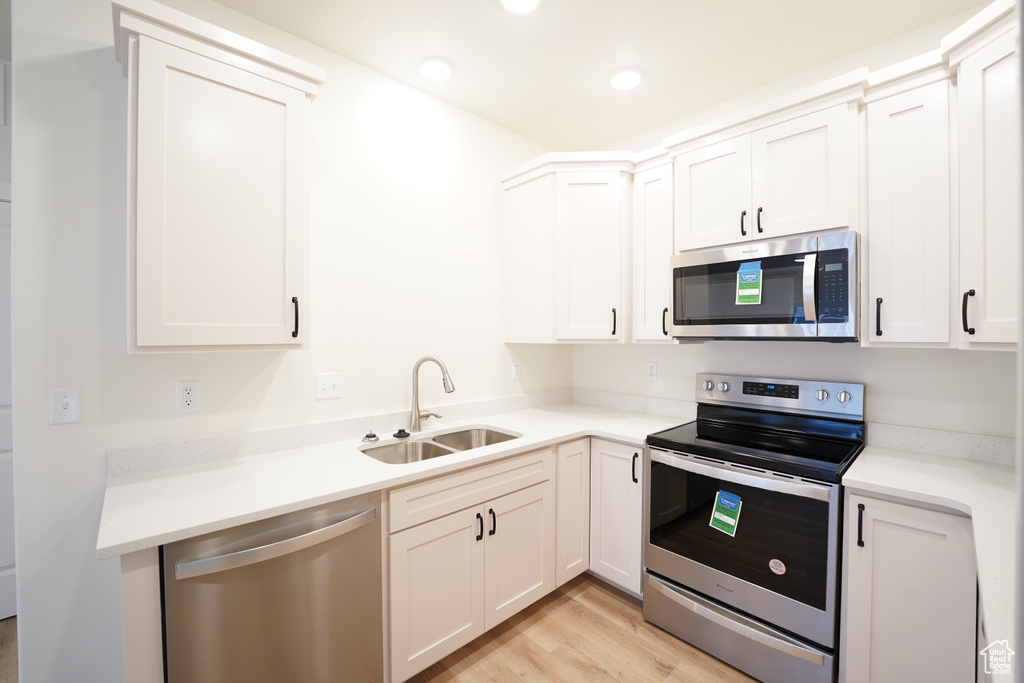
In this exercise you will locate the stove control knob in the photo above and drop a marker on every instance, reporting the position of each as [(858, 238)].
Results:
[(708, 385), (844, 397), (723, 387), (821, 394)]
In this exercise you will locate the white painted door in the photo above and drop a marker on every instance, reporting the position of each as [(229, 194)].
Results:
[(519, 551), (908, 217), (712, 195), (8, 586), (588, 236), (437, 590), (652, 250), (909, 594), (572, 510), (616, 509), (219, 235), (801, 174), (990, 198)]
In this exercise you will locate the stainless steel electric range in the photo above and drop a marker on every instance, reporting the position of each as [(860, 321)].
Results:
[(743, 512)]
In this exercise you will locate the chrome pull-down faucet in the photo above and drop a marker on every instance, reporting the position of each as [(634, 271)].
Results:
[(449, 387)]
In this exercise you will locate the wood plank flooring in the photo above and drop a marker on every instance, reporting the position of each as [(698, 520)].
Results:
[(584, 631), (9, 650)]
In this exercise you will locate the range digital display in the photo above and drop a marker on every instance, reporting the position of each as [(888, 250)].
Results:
[(776, 390)]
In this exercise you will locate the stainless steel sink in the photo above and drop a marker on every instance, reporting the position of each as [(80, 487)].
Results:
[(473, 438), (398, 452), (407, 451)]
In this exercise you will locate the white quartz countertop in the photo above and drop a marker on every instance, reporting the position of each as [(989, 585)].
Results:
[(149, 509), (985, 491)]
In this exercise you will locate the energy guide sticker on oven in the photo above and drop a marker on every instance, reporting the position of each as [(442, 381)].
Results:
[(725, 515), (748, 283)]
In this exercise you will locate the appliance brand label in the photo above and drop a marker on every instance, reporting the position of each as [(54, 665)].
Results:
[(777, 567), (725, 515)]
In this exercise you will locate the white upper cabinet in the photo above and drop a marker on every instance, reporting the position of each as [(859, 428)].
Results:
[(216, 237), (788, 178), (908, 273), (990, 196), (652, 250), (567, 220)]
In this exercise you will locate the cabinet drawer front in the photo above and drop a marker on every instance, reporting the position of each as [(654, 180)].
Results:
[(424, 501)]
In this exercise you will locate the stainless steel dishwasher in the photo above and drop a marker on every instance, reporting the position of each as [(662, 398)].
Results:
[(293, 598)]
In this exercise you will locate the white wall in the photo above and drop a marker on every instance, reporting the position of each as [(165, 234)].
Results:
[(959, 391), (406, 235)]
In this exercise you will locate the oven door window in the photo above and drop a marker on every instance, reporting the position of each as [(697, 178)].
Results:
[(707, 294), (780, 541)]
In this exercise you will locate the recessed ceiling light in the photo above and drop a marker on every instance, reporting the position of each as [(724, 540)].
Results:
[(436, 68), (520, 6), (626, 79)]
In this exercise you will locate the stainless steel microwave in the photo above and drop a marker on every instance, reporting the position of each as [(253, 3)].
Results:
[(801, 288)]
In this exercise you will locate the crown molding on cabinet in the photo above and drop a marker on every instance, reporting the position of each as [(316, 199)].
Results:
[(567, 161), (146, 17)]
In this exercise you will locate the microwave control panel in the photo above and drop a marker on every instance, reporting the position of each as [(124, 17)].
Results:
[(833, 286)]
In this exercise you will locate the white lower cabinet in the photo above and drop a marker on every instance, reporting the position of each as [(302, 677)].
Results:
[(460, 574), (909, 594), (616, 513), (572, 510)]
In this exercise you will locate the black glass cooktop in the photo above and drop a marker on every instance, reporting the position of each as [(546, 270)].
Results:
[(815, 448)]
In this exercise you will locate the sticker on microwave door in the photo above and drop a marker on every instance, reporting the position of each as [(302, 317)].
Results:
[(777, 567), (748, 283), (725, 515)]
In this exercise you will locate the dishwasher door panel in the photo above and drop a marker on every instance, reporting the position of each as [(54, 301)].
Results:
[(310, 615)]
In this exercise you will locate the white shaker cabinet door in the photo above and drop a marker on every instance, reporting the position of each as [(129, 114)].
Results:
[(909, 594), (712, 192), (589, 230), (908, 217), (572, 510), (652, 251), (616, 513), (990, 197), (801, 174), (219, 237)]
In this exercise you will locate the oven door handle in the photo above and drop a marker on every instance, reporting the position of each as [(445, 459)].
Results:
[(760, 481), (724, 619)]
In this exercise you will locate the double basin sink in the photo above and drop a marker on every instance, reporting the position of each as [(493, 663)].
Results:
[(413, 449)]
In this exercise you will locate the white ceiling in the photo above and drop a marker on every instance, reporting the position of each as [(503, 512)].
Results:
[(545, 75)]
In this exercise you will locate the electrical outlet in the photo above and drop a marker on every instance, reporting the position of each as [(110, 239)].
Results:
[(328, 386), (186, 397), (652, 370), (515, 371), (63, 406)]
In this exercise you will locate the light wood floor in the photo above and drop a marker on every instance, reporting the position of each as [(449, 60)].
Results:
[(584, 631), (9, 650)]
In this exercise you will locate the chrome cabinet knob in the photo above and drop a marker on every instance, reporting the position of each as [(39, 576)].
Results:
[(821, 394), (844, 397)]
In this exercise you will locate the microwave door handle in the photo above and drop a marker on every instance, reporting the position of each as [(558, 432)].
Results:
[(810, 273)]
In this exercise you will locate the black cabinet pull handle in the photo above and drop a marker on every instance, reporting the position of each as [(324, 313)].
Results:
[(635, 456), (860, 525), (963, 311), (743, 215), (614, 321), (480, 518), (664, 323), (295, 332), (759, 210), (494, 522), (878, 317)]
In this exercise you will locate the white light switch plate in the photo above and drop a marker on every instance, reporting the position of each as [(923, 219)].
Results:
[(63, 406), (328, 386)]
